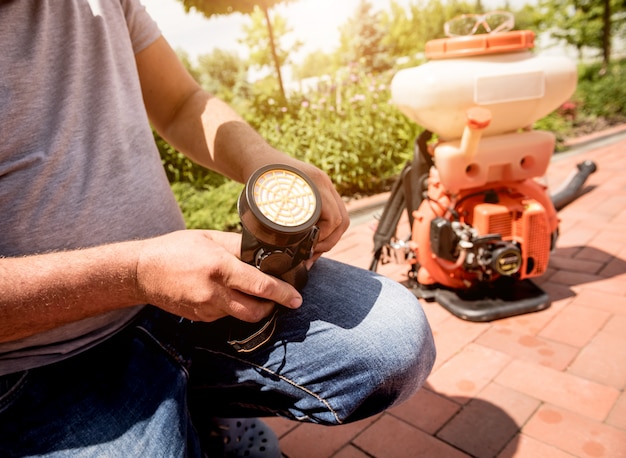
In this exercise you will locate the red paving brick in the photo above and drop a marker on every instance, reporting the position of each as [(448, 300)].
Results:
[(466, 374), (563, 389), (392, 437), (526, 447), (575, 325), (429, 411), (592, 362), (548, 384), (528, 347), (576, 434), (617, 417), (489, 421), (350, 451)]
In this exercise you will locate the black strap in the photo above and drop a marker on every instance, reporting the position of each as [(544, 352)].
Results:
[(247, 337), (406, 193)]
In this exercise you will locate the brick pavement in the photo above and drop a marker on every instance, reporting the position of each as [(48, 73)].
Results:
[(546, 384)]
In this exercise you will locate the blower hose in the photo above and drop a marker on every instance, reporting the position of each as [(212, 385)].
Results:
[(572, 186)]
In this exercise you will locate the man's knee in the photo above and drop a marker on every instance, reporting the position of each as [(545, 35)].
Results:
[(392, 355)]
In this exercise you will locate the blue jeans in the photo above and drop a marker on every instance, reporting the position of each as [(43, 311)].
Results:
[(359, 344)]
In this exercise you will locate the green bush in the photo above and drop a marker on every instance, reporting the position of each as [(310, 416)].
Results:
[(599, 101), (179, 169), (346, 127), (558, 124), (214, 208), (207, 199), (602, 94)]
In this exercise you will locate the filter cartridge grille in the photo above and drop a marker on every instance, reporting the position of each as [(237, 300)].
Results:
[(284, 197)]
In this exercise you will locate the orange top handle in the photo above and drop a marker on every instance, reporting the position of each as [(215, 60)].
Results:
[(476, 45)]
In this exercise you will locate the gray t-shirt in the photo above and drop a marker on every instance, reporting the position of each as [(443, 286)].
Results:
[(78, 163)]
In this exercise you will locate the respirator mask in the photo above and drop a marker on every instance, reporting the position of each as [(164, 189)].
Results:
[(279, 209)]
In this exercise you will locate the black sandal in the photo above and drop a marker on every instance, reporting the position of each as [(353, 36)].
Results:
[(245, 437)]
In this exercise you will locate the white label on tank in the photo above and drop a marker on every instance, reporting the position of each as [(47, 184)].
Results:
[(509, 87)]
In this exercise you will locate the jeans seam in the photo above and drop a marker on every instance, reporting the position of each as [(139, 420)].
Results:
[(177, 357), (7, 399), (281, 377)]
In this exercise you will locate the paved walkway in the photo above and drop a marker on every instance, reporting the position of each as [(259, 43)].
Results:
[(546, 384)]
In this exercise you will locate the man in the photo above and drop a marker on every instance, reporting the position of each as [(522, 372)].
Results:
[(90, 231)]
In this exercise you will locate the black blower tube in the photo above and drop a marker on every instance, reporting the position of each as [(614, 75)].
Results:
[(572, 186)]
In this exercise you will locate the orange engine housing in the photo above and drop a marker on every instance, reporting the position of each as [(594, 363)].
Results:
[(520, 213)]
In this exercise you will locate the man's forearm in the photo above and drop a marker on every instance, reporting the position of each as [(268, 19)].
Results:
[(210, 132), (42, 292), (201, 126)]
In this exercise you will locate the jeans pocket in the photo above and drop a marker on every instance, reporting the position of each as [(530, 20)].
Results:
[(11, 386)]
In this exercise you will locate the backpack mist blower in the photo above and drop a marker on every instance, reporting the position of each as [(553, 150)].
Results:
[(482, 222)]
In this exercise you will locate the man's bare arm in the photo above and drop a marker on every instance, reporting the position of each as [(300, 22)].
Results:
[(42, 292), (194, 274), (201, 126)]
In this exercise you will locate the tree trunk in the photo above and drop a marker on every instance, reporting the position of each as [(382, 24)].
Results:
[(273, 49), (606, 36)]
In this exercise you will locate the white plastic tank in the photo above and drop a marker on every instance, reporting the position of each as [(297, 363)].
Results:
[(495, 71)]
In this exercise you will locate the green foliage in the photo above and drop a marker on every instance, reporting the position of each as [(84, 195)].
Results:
[(599, 101), (558, 124), (603, 94), (214, 7), (346, 127), (317, 63), (214, 208), (207, 199), (403, 37), (179, 168), (408, 29), (184, 58), (256, 38), (375, 39), (362, 40), (582, 23), (259, 8), (224, 74)]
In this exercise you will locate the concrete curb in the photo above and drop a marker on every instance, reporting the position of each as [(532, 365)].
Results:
[(579, 142)]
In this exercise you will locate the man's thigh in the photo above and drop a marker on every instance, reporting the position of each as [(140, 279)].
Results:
[(359, 344), (126, 397)]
